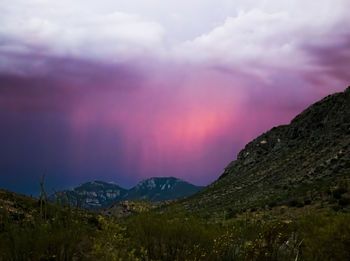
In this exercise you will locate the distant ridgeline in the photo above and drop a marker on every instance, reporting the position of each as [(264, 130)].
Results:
[(294, 164), (98, 194)]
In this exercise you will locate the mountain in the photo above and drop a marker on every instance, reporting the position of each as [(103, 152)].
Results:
[(162, 189), (299, 163), (91, 194), (98, 194)]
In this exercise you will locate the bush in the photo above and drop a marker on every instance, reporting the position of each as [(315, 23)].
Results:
[(111, 242), (325, 237), (59, 237), (38, 230), (307, 202), (272, 204), (171, 235), (293, 202), (337, 193), (231, 213), (344, 202)]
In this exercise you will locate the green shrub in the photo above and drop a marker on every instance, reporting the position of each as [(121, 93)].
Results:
[(49, 232), (337, 193), (307, 202), (43, 232), (293, 202), (325, 237), (231, 213), (171, 235), (344, 202)]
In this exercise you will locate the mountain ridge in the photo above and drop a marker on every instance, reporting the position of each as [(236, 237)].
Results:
[(97, 194)]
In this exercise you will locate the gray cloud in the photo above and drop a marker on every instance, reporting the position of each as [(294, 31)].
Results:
[(229, 33)]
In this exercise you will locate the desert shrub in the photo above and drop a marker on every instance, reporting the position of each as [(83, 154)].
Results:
[(171, 235), (336, 208), (112, 243), (257, 240), (325, 237), (317, 237), (253, 209), (43, 232), (35, 238), (307, 202), (293, 202), (231, 213), (337, 193), (272, 204), (344, 201)]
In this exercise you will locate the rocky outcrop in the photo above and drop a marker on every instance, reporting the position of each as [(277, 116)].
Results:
[(162, 189), (94, 194)]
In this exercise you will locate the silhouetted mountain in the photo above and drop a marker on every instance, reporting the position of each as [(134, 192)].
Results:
[(161, 189), (98, 194), (302, 161), (91, 194)]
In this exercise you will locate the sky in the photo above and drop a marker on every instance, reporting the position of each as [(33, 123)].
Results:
[(125, 90)]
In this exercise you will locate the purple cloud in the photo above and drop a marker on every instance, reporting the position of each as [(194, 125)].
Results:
[(117, 92)]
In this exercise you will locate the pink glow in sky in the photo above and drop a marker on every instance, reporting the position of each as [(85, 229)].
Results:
[(124, 90)]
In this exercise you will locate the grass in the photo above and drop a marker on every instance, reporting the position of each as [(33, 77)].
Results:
[(174, 235), (47, 232), (32, 229)]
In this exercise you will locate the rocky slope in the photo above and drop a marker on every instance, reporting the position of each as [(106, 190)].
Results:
[(288, 162), (161, 189), (91, 194), (18, 206), (99, 194)]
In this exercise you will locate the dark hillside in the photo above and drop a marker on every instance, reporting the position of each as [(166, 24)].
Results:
[(294, 162)]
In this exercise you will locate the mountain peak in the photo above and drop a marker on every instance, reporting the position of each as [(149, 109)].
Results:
[(101, 194), (162, 188), (153, 182)]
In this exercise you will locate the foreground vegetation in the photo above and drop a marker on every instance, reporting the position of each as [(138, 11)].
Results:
[(32, 229)]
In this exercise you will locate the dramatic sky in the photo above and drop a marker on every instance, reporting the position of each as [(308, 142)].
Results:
[(124, 90)]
